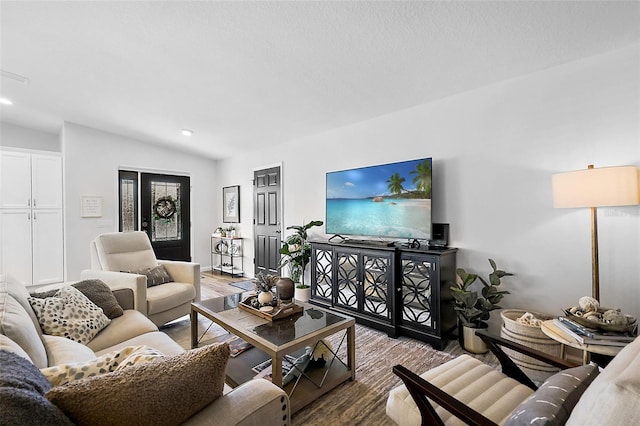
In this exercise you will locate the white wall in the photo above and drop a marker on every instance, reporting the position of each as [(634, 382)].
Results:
[(494, 150), (91, 162), (15, 136)]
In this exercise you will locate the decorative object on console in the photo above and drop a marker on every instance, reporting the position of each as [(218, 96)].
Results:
[(297, 251), (473, 310), (601, 187)]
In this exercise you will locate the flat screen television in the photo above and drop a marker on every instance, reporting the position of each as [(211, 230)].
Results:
[(387, 200)]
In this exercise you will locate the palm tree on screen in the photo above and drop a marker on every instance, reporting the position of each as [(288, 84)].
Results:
[(422, 178), (394, 183)]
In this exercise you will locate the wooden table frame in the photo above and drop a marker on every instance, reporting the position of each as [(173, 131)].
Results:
[(238, 322)]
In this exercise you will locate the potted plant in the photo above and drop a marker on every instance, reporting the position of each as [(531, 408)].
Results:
[(296, 250), (474, 309)]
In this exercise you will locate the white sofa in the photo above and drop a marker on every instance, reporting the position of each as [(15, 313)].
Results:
[(256, 402), (114, 252)]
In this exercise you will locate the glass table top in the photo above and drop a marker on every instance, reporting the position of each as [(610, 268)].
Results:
[(283, 330), (298, 325)]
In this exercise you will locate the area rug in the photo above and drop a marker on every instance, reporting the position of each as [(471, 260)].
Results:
[(361, 402), (247, 285)]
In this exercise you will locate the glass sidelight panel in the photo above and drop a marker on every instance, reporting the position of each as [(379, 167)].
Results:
[(128, 201), (166, 223)]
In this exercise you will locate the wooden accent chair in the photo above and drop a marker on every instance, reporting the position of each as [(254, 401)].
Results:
[(114, 254), (466, 391)]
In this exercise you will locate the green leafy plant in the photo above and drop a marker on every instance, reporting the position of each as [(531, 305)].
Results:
[(474, 309), (296, 250)]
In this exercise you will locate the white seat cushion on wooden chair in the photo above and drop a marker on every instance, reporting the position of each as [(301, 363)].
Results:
[(467, 379)]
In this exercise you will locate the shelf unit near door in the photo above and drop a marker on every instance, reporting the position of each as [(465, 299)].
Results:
[(226, 255)]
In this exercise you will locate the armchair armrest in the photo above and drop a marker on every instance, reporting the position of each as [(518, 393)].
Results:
[(184, 272), (420, 390), (122, 280), (509, 367)]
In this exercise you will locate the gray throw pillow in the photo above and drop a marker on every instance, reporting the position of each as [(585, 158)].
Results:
[(553, 402), (96, 291), (155, 276), (22, 389)]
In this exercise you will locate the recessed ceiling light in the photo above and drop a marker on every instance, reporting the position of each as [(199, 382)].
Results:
[(5, 101), (186, 132)]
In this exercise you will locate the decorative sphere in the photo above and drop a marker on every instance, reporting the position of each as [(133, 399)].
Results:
[(265, 297)]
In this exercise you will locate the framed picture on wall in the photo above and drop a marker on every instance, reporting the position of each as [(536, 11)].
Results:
[(231, 204)]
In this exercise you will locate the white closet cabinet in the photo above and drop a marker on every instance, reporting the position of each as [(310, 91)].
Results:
[(31, 220)]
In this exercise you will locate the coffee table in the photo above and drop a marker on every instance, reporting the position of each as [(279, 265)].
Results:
[(274, 339)]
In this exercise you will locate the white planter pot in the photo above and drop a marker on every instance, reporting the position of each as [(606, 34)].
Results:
[(302, 294)]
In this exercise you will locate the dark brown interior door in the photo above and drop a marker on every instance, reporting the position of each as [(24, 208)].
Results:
[(266, 220), (165, 216)]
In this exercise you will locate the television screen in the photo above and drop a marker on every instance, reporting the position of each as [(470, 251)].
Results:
[(388, 200)]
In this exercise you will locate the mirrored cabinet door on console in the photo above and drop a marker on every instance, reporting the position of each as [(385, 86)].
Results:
[(394, 289), (355, 281), (425, 307)]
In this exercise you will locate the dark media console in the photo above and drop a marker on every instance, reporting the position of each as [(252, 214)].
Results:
[(400, 290)]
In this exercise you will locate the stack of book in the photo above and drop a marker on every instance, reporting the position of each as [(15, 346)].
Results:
[(590, 336)]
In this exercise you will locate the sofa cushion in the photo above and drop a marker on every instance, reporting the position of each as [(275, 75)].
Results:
[(61, 350), (613, 396), (9, 345), (157, 340), (22, 389), (96, 291), (155, 276), (70, 314), (16, 324), (167, 296), (113, 361), (131, 324), (19, 292), (182, 385), (552, 403)]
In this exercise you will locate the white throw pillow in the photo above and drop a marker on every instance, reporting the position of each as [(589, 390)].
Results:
[(70, 314)]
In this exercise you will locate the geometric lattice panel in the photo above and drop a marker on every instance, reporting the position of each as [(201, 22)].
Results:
[(416, 291)]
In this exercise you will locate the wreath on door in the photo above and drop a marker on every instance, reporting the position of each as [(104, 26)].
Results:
[(164, 207)]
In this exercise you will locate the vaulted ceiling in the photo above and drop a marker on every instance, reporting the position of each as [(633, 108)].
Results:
[(245, 74)]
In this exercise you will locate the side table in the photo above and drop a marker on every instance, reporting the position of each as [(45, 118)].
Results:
[(559, 335)]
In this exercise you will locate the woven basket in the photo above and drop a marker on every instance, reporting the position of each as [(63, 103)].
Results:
[(531, 337)]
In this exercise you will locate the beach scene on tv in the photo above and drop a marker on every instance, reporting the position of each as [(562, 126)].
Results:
[(389, 200)]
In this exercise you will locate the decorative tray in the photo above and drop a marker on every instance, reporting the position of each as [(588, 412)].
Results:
[(283, 310), (627, 328)]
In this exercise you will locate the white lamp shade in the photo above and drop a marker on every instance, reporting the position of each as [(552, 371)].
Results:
[(605, 186)]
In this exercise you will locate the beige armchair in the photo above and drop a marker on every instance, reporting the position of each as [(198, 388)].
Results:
[(114, 252)]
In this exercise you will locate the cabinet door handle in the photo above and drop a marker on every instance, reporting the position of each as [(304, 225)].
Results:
[(28, 216), (34, 202), (34, 215), (29, 202)]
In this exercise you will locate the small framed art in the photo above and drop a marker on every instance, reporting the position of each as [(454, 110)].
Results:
[(231, 204)]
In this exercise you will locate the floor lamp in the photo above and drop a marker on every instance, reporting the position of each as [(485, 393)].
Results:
[(601, 187)]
